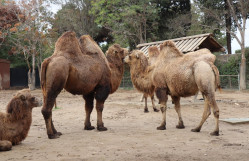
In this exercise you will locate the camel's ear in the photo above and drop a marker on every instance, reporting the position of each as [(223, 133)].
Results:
[(137, 56), (23, 98)]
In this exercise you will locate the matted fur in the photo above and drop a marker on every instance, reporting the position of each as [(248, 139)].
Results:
[(153, 53), (141, 74), (15, 123), (80, 67), (183, 75), (115, 55)]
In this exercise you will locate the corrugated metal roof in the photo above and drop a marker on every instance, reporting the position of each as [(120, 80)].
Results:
[(188, 44)]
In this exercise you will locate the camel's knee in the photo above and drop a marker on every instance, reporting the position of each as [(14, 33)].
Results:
[(46, 113), (102, 93), (163, 109), (216, 113)]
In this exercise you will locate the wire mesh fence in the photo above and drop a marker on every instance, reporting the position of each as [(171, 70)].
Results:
[(126, 83), (229, 81), (226, 82)]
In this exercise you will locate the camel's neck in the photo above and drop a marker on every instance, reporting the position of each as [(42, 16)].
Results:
[(117, 70)]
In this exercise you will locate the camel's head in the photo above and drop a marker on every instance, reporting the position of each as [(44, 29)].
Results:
[(137, 58), (22, 103), (117, 52)]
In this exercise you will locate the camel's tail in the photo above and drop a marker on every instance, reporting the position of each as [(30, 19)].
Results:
[(217, 76), (43, 75)]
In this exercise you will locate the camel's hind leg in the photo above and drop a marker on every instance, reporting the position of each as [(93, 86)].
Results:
[(176, 101), (205, 115), (88, 107), (153, 103), (57, 74), (145, 103), (47, 114), (163, 98)]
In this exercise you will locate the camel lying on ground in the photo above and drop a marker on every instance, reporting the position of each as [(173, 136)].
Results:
[(141, 74), (15, 123), (153, 53), (80, 67), (182, 75)]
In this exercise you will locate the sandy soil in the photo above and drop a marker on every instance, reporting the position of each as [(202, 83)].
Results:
[(132, 134)]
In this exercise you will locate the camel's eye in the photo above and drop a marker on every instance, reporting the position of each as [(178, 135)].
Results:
[(32, 99), (129, 57)]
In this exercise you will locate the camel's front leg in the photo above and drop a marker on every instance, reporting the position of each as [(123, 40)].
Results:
[(161, 94), (153, 103), (176, 101), (88, 108), (145, 103), (99, 108)]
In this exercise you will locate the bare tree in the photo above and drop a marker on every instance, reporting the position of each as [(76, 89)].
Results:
[(240, 20)]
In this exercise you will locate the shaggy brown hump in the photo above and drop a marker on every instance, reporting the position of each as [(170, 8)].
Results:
[(67, 43), (171, 45)]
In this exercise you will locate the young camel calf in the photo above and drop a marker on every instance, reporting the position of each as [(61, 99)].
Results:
[(141, 73), (15, 123)]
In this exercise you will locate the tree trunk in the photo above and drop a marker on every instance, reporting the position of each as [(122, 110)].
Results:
[(228, 28), (32, 85), (242, 81)]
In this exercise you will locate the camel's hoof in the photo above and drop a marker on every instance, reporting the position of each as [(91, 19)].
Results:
[(5, 145), (181, 126), (162, 127), (59, 133), (101, 128), (195, 130), (146, 110), (53, 136), (155, 110), (215, 133), (89, 127)]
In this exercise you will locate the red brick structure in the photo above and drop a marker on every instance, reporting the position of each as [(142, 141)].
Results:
[(4, 74)]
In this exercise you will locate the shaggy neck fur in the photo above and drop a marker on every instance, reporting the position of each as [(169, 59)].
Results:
[(141, 76), (117, 71), (15, 124)]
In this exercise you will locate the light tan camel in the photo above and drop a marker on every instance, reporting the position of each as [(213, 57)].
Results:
[(153, 53), (141, 75), (15, 123), (182, 75), (70, 67)]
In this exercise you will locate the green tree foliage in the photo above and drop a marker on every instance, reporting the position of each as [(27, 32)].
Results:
[(174, 18), (130, 22)]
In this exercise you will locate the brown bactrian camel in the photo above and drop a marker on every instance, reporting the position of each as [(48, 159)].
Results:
[(81, 68), (182, 75), (141, 75), (153, 53), (15, 123)]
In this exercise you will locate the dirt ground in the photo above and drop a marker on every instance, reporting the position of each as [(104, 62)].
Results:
[(132, 134)]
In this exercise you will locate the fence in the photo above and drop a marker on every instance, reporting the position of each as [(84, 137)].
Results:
[(229, 81), (226, 82)]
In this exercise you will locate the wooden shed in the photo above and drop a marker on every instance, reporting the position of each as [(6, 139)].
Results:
[(188, 44), (4, 74)]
